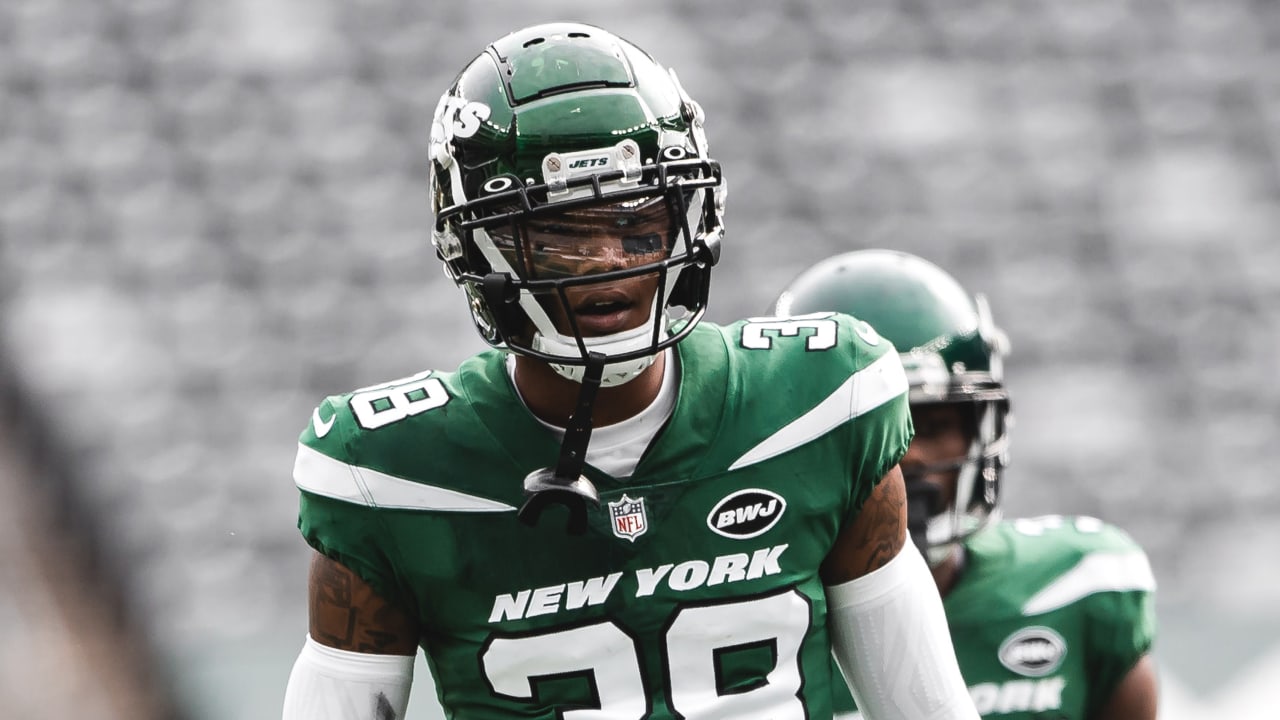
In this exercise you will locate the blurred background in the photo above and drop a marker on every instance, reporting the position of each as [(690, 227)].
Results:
[(213, 214)]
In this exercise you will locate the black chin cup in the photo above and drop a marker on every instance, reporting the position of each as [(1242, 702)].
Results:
[(924, 501), (565, 485), (545, 488)]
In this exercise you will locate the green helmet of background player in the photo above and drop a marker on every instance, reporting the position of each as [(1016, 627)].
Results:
[(556, 129), (952, 352)]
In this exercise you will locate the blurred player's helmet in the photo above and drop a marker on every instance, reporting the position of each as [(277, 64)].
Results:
[(552, 132), (952, 352)]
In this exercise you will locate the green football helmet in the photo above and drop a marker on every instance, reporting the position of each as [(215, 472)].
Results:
[(952, 353), (551, 131)]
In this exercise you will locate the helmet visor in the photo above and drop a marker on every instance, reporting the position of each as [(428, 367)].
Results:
[(588, 241)]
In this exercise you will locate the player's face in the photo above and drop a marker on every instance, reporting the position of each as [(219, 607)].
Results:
[(941, 441), (597, 240)]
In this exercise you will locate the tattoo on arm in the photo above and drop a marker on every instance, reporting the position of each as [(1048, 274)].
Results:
[(873, 537), (883, 522), (348, 615)]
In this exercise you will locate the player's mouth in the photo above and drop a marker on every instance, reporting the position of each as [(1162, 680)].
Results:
[(605, 313)]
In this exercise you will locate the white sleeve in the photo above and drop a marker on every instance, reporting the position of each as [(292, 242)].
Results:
[(890, 637), (331, 684)]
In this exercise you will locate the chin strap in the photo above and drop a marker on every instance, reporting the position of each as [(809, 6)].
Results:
[(566, 485)]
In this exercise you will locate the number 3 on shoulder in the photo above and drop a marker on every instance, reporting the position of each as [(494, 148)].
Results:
[(758, 333)]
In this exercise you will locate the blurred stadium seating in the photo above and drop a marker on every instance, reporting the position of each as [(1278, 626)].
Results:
[(214, 214)]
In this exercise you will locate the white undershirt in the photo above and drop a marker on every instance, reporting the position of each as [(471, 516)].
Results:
[(616, 448)]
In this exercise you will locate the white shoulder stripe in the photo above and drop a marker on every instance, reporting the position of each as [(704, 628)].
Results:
[(1095, 573), (865, 390), (320, 474)]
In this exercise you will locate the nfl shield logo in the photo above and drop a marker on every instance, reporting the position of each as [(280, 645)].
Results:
[(628, 517)]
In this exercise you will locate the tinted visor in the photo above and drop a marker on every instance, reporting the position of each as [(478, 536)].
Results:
[(588, 241)]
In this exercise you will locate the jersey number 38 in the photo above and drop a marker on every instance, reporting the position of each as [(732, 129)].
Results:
[(698, 647)]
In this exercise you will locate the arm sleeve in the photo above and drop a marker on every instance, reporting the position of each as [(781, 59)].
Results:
[(890, 638), (331, 684)]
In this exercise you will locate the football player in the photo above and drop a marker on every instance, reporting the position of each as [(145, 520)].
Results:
[(1051, 617), (619, 511)]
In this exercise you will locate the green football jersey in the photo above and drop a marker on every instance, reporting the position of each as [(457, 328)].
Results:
[(1048, 616), (694, 592)]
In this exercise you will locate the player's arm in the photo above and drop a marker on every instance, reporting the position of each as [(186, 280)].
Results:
[(1135, 697), (874, 537), (888, 631), (346, 613), (357, 662), (1120, 622)]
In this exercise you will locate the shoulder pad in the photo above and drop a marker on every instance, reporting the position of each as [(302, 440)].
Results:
[(1077, 557)]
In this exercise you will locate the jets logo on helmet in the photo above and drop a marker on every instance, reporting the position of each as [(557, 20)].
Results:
[(559, 169), (456, 118)]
